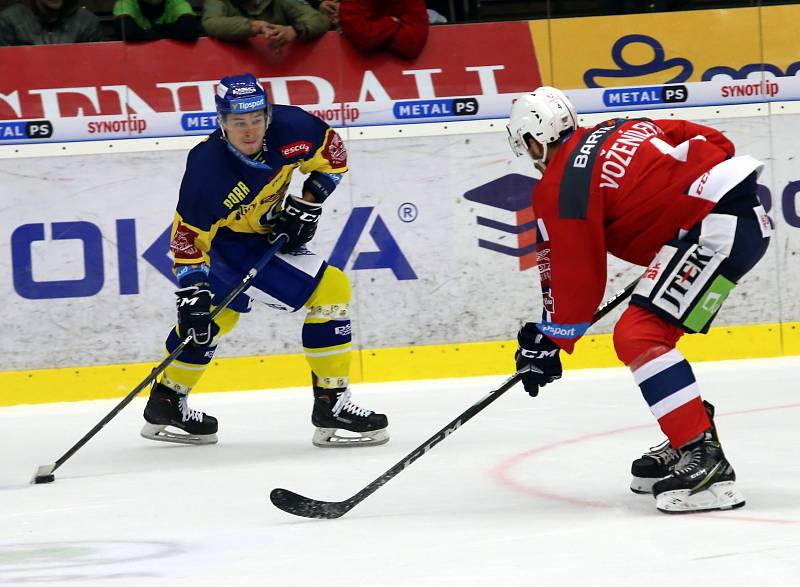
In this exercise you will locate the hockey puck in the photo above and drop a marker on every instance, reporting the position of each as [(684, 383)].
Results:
[(44, 479)]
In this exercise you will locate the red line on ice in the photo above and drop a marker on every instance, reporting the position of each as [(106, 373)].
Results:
[(503, 472)]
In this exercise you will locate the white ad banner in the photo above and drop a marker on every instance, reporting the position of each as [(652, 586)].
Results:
[(434, 233), (143, 122)]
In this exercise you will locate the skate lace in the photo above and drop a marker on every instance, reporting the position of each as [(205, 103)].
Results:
[(187, 413), (690, 460), (344, 404), (663, 453)]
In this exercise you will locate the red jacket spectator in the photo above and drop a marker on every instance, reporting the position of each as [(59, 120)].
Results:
[(397, 26)]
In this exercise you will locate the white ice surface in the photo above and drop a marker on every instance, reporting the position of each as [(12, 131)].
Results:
[(529, 492)]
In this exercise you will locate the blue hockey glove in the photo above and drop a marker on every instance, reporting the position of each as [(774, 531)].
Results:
[(537, 359)]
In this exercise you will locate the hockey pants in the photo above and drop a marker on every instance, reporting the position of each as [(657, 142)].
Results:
[(687, 293)]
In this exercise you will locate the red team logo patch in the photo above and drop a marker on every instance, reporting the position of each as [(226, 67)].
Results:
[(294, 149), (335, 152), (182, 245)]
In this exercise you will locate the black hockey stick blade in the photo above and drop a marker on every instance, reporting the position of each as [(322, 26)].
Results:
[(298, 505), (294, 503), (44, 474)]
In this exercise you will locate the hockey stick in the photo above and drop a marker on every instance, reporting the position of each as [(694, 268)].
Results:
[(298, 505), (45, 473)]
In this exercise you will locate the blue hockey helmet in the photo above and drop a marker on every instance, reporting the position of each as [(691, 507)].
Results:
[(237, 94)]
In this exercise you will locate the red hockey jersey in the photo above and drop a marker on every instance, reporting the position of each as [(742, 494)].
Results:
[(624, 187)]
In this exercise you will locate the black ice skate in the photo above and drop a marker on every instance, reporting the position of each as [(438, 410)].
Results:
[(334, 412), (702, 480), (659, 461), (168, 408), (653, 465)]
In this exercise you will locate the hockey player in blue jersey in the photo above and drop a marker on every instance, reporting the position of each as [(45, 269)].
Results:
[(233, 203)]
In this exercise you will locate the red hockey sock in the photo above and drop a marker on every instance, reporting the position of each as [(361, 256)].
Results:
[(646, 344)]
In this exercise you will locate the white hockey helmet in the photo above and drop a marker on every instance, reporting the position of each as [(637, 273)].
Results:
[(545, 114)]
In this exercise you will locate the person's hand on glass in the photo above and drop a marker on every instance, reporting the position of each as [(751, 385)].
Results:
[(279, 35), (330, 8), (259, 27)]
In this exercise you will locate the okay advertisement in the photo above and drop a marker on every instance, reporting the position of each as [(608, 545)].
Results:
[(435, 233)]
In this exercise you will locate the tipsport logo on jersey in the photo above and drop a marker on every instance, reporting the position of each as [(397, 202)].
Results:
[(506, 215)]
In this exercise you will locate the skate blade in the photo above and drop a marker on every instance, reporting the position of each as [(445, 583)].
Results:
[(329, 438), (160, 433), (643, 485), (719, 496)]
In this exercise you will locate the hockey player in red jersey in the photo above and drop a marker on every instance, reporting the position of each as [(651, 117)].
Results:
[(666, 194)]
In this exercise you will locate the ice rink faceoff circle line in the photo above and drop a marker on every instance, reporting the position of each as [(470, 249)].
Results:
[(503, 472)]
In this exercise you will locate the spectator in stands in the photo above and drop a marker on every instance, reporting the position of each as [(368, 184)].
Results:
[(397, 26), (330, 8), (148, 20), (48, 22), (280, 21)]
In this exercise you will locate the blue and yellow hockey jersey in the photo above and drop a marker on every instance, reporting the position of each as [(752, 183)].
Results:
[(225, 190)]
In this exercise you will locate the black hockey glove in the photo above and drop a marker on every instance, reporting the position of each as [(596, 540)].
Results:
[(297, 219), (194, 314), (537, 359)]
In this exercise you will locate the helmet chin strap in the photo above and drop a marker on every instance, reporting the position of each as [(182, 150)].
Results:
[(540, 163)]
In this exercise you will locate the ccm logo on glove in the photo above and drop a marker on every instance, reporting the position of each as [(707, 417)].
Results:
[(537, 359), (297, 219)]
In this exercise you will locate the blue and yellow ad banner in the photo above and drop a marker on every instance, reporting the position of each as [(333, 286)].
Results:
[(668, 48)]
